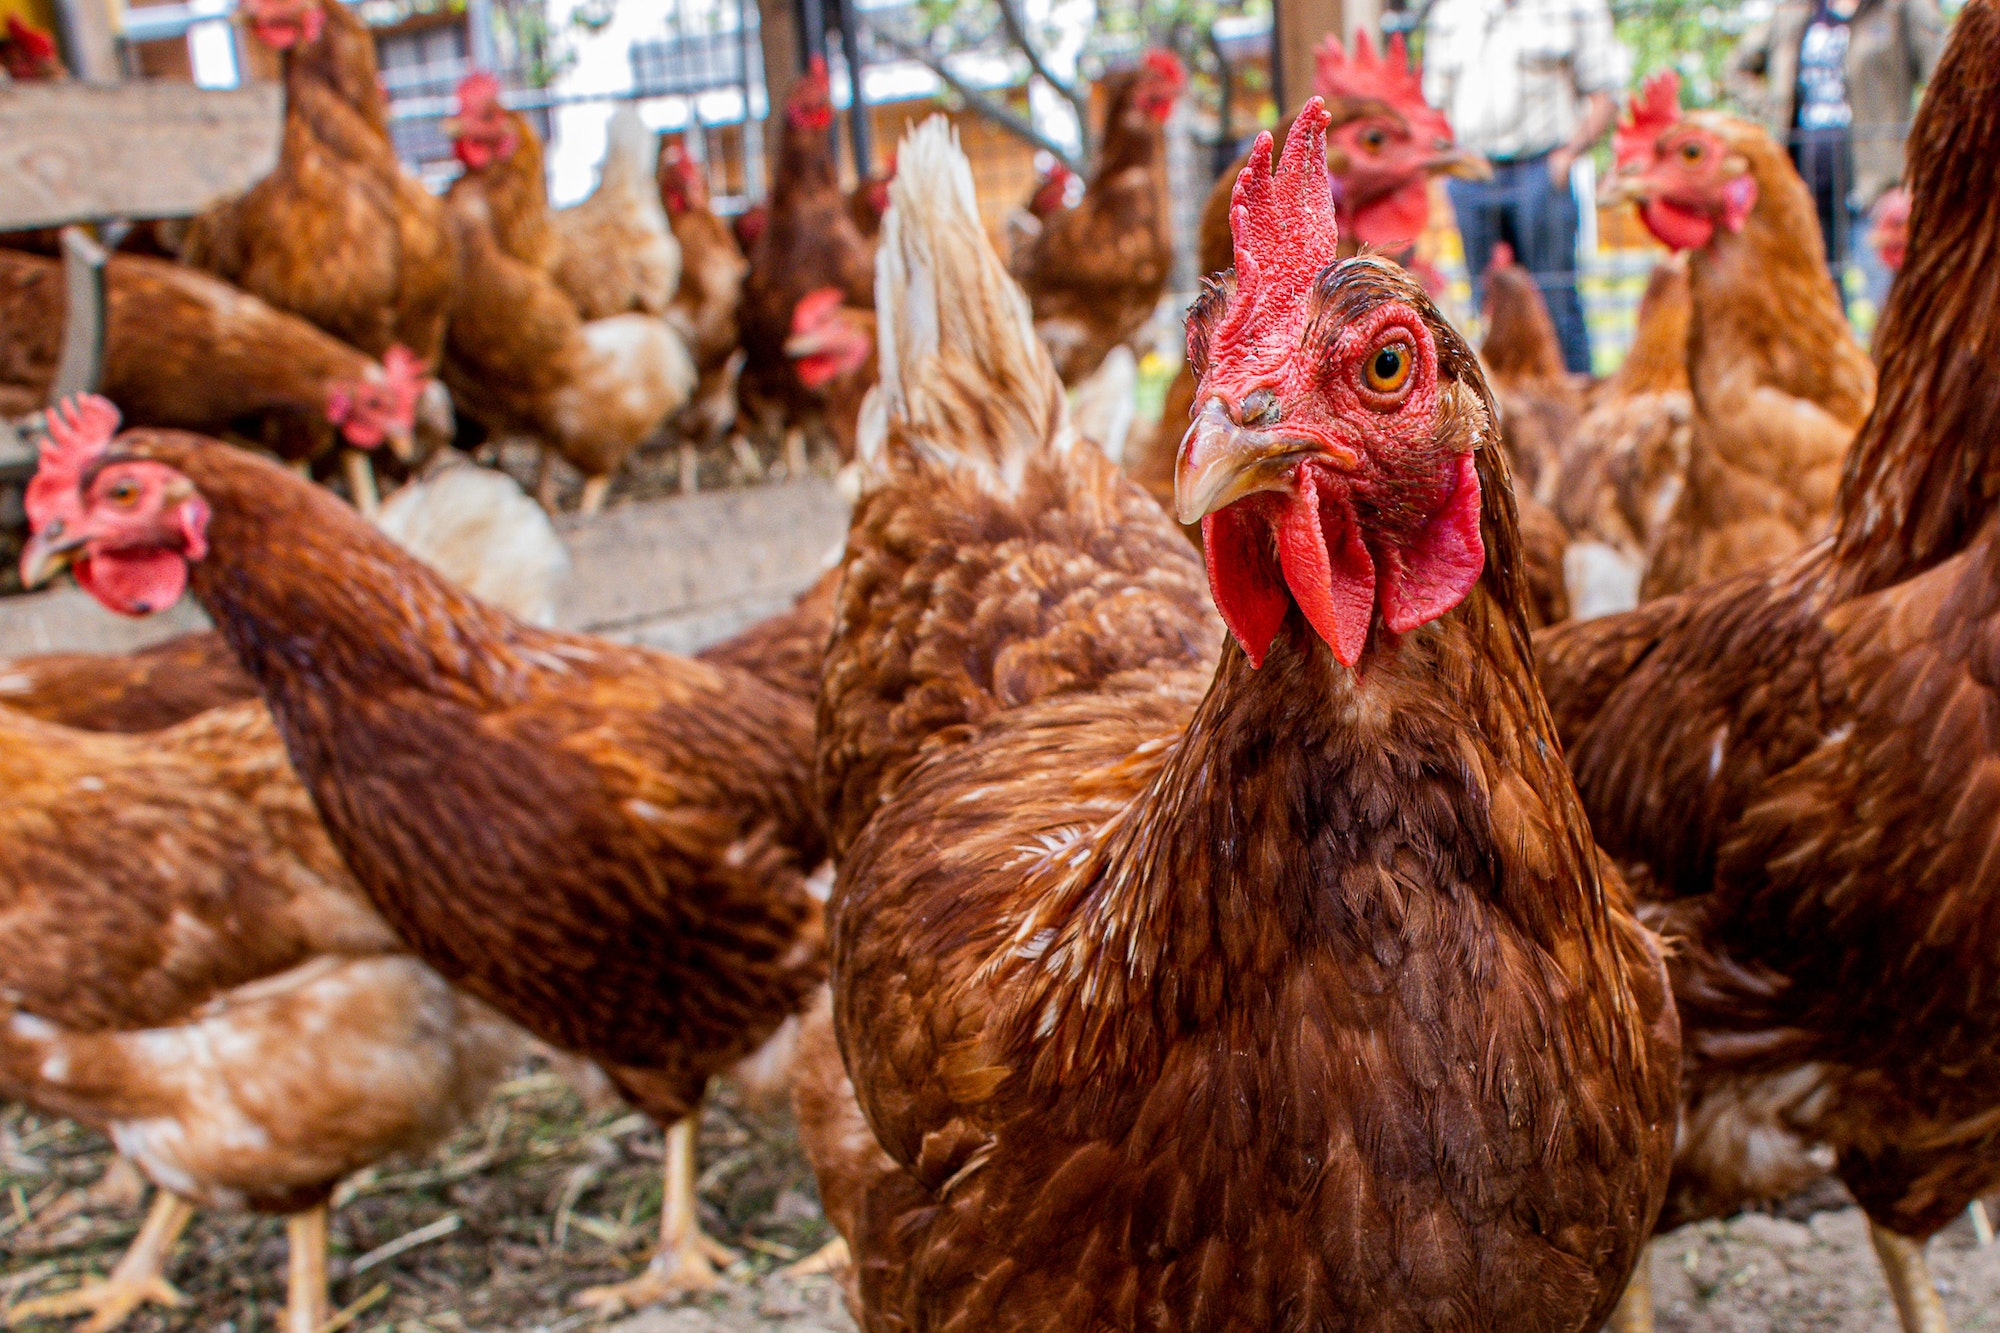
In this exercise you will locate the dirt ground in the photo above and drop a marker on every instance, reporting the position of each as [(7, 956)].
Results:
[(543, 1196)]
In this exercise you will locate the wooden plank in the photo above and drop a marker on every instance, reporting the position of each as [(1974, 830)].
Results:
[(75, 152), (1296, 28)]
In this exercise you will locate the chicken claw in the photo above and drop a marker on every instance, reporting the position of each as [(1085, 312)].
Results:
[(1634, 1312), (137, 1280), (832, 1257), (687, 1261)]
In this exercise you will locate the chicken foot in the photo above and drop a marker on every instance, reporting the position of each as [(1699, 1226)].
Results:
[(832, 1257), (1918, 1306), (306, 1304), (138, 1278), (595, 489), (687, 1260), (1634, 1311)]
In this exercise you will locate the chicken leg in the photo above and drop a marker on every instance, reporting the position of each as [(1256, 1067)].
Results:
[(138, 1278), (306, 1305), (1918, 1306), (1634, 1311), (687, 1261), (595, 489), (361, 481)]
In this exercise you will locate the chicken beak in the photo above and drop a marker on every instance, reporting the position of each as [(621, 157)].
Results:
[(47, 554), (810, 343), (1222, 460), (1462, 163), (402, 442), (1623, 186)]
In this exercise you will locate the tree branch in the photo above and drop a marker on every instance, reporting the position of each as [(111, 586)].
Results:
[(980, 102), (1079, 100)]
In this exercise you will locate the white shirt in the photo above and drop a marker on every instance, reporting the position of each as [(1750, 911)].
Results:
[(1512, 75)]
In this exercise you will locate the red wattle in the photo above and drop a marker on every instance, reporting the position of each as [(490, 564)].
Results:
[(1396, 219), (1427, 578), (1247, 590), (1676, 227), (133, 584), (1329, 570)]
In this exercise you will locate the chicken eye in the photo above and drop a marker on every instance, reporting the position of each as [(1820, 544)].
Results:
[(124, 493), (1373, 140), (1389, 368), (1690, 151)]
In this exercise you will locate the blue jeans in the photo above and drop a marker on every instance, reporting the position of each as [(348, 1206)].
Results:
[(1537, 216)]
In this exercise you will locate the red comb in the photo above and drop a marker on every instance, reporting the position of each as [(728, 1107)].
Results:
[(80, 430), (34, 43), (477, 89), (1503, 257), (814, 86), (406, 375), (1657, 106), (1167, 66), (815, 308), (1366, 76), (1284, 231)]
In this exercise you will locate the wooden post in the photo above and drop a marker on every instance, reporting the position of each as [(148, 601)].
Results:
[(1296, 27)]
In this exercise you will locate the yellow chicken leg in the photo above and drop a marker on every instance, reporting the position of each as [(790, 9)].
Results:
[(1634, 1311), (594, 491), (361, 481), (139, 1277), (306, 1305), (832, 1257), (687, 1261), (1918, 1306)]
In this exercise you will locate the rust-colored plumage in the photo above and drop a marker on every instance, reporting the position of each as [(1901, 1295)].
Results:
[(184, 349), (1800, 757), (1539, 401), (1180, 994), (338, 233), (1094, 273), (143, 691), (1779, 383), (704, 307), (187, 965), (607, 844)]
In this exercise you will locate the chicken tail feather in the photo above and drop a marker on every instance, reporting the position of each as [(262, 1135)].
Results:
[(964, 380)]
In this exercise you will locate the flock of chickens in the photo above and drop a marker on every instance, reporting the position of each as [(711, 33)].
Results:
[(1310, 926)]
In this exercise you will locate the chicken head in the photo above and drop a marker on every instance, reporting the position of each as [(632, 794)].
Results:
[(126, 527), (683, 188), (28, 54), (1681, 170), (825, 342), (284, 24), (381, 406), (1160, 84), (810, 106), (1889, 228), (1330, 462), (1389, 140), (482, 132)]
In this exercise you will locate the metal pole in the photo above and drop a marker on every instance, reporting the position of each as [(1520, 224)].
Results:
[(859, 129), (479, 33)]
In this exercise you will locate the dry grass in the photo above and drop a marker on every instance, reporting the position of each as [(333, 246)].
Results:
[(534, 1201)]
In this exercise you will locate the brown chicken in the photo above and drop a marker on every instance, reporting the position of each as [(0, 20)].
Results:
[(1095, 273), (615, 253), (187, 350), (1779, 382), (832, 348), (808, 241), (1799, 759), (1539, 401), (610, 845), (1621, 470), (1385, 145), (338, 234), (518, 357), (1279, 992), (189, 968), (705, 304), (470, 524), (187, 965)]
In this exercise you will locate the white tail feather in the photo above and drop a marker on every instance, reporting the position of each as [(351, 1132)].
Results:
[(951, 323)]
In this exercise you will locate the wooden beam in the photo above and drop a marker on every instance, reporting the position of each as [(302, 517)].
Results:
[(778, 27), (1296, 28), (70, 152), (90, 39)]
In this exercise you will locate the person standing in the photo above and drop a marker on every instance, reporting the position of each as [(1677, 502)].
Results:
[(1836, 81), (1529, 84)]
